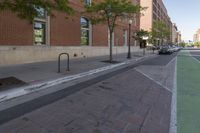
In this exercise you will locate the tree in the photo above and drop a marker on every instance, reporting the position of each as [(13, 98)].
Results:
[(197, 44), (160, 31), (182, 44), (29, 9), (140, 37), (140, 34), (109, 11)]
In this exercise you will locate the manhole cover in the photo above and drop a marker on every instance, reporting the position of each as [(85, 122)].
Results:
[(8, 82)]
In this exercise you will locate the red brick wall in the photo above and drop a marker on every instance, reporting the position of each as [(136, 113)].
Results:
[(14, 31), (119, 39), (100, 35), (63, 32), (66, 31)]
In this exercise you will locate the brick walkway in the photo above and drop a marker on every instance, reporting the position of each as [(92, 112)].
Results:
[(42, 71), (126, 103)]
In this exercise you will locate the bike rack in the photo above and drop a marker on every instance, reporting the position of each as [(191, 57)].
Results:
[(59, 61)]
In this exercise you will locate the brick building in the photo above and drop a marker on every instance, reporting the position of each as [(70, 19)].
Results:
[(46, 37), (174, 34), (156, 11), (196, 37)]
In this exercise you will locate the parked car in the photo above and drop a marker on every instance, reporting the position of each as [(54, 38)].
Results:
[(175, 48), (165, 49)]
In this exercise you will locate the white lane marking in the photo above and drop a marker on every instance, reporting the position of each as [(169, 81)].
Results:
[(16, 92), (195, 58), (173, 120), (153, 80), (191, 55), (194, 55), (171, 61)]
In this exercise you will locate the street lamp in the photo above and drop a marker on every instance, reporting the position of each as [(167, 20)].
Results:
[(129, 39)]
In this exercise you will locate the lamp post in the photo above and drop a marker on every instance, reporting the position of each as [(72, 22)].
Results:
[(129, 39)]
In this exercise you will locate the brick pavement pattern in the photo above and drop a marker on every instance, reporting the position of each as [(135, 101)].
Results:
[(126, 103)]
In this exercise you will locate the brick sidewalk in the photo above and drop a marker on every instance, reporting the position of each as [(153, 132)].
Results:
[(43, 71), (136, 104), (126, 102)]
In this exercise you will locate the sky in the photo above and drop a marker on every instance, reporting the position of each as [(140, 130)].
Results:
[(186, 15)]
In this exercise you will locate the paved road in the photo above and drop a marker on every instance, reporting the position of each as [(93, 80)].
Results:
[(161, 60), (124, 101), (195, 54)]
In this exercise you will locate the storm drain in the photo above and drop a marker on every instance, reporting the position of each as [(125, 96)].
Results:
[(8, 82)]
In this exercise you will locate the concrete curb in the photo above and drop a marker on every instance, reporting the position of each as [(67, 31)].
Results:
[(173, 121), (21, 91)]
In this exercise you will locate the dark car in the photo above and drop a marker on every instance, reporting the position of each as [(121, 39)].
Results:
[(165, 50)]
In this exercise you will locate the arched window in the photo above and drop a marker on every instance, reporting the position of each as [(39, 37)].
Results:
[(85, 31)]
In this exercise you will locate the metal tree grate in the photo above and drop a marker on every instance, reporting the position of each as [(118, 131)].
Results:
[(8, 82)]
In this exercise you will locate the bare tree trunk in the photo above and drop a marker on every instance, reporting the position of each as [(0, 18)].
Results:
[(111, 42), (162, 41)]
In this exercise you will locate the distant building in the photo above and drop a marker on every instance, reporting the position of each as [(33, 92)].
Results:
[(179, 37), (196, 37), (174, 34), (156, 11)]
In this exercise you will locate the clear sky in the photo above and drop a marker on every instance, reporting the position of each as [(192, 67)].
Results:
[(186, 14)]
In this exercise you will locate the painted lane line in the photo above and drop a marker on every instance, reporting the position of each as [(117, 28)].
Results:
[(194, 55), (153, 80), (191, 55), (195, 58), (16, 92), (171, 61), (173, 120)]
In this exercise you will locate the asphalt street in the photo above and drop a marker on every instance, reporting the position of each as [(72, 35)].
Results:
[(195, 54), (160, 60), (123, 101)]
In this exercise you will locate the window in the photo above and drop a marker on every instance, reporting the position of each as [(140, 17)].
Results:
[(87, 2), (41, 12), (40, 27), (85, 31), (154, 8), (39, 33), (154, 16)]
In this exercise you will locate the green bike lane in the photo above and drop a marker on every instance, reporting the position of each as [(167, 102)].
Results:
[(188, 94)]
